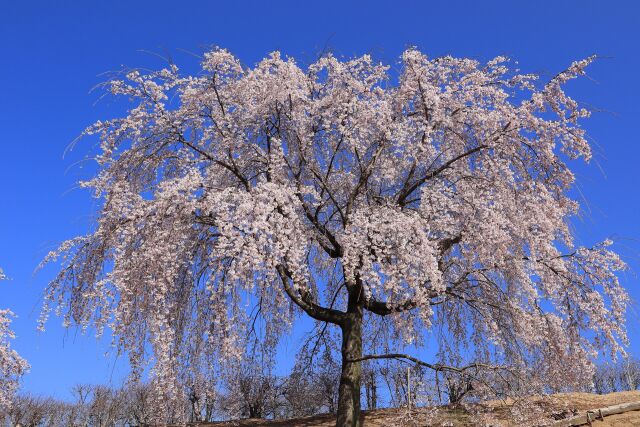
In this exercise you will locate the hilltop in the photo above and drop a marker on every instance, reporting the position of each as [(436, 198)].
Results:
[(551, 409)]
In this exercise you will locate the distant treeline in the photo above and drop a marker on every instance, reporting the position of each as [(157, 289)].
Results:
[(254, 394)]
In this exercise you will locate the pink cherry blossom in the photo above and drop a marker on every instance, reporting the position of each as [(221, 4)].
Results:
[(434, 198), (12, 366)]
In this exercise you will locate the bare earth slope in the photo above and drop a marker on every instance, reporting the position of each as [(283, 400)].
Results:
[(585, 401), (555, 404)]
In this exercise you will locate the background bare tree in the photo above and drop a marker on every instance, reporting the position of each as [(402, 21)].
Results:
[(370, 384), (621, 375), (139, 405), (31, 411), (252, 391)]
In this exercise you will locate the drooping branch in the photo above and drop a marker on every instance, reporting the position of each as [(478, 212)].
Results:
[(383, 308), (233, 168), (333, 249), (446, 244), (439, 367), (304, 301), (406, 192)]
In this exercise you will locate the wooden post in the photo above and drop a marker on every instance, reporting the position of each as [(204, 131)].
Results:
[(409, 386), (602, 412)]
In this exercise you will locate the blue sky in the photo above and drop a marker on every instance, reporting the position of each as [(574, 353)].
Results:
[(53, 53)]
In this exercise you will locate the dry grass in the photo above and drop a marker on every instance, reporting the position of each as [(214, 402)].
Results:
[(496, 413), (585, 401)]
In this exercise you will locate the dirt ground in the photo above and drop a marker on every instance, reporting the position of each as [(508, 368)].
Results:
[(496, 414), (585, 401)]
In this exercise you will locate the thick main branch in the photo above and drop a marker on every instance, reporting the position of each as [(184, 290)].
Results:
[(303, 300)]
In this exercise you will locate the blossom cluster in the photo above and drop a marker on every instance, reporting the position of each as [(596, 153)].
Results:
[(12, 366), (440, 194)]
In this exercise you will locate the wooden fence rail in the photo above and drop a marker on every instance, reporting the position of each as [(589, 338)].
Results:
[(596, 414)]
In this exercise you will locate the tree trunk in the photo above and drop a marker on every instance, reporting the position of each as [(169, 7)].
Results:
[(349, 391)]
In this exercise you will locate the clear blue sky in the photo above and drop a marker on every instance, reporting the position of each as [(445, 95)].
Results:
[(52, 54)]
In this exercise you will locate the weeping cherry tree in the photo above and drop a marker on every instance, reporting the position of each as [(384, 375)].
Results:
[(435, 197)]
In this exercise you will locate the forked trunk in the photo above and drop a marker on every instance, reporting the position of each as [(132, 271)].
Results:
[(349, 391)]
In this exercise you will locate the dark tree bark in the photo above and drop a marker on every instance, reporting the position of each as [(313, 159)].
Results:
[(349, 390)]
